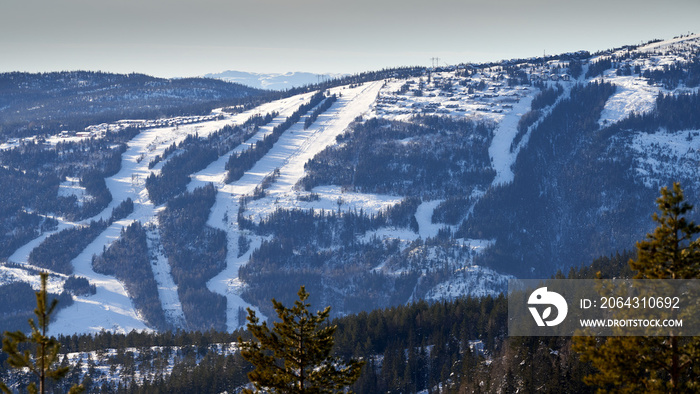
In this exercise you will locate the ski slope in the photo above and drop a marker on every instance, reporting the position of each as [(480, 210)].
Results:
[(294, 148), (111, 308)]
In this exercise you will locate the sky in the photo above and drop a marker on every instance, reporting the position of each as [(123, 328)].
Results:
[(182, 38)]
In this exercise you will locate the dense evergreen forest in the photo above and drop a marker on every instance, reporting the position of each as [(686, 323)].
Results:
[(460, 346), (196, 252), (33, 173), (564, 149), (432, 157)]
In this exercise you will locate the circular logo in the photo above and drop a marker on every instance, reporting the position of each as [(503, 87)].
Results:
[(543, 297)]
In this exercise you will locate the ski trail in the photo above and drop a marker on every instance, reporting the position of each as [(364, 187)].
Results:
[(111, 307), (21, 255), (216, 171), (167, 290), (424, 217), (289, 154), (502, 159)]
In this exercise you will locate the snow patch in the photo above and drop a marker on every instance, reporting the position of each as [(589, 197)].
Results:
[(502, 159), (473, 281), (71, 187), (662, 157), (633, 95)]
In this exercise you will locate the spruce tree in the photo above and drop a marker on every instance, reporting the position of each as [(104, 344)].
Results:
[(294, 356), (653, 364), (16, 345)]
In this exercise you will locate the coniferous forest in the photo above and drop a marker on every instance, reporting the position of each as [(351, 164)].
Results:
[(452, 346)]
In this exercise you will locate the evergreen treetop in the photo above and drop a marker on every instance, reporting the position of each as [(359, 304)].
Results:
[(670, 252), (294, 356), (655, 363), (46, 348)]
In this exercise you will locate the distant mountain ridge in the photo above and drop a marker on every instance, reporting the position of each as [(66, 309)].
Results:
[(272, 81)]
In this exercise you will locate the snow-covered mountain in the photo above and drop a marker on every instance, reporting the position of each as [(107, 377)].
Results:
[(272, 81), (430, 184)]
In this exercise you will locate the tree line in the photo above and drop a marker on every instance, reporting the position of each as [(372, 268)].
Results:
[(240, 162), (195, 252), (128, 260), (57, 251), (195, 154)]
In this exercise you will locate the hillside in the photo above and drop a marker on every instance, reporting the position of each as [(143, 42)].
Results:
[(423, 185), (48, 103)]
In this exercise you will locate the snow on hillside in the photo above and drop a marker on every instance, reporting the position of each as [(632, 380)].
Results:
[(167, 290), (496, 102), (473, 280), (502, 158), (633, 94), (446, 95), (300, 145), (111, 308), (289, 154), (682, 42), (483, 95), (71, 187), (663, 157)]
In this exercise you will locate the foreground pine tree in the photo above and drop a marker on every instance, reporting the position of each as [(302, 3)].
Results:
[(295, 355), (653, 364), (46, 348)]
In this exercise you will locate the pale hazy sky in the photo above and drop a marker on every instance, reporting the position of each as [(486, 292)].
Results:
[(178, 38)]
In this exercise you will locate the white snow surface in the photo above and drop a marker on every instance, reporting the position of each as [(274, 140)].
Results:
[(474, 281), (167, 290), (633, 95), (502, 159), (294, 148), (71, 187), (424, 214), (664, 156), (665, 45)]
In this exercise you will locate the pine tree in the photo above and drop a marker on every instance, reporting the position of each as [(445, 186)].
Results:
[(46, 348), (653, 364), (295, 355), (671, 252)]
